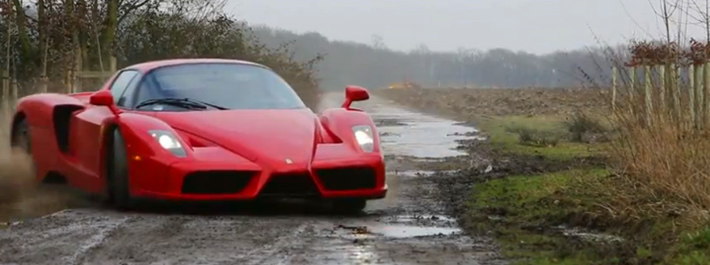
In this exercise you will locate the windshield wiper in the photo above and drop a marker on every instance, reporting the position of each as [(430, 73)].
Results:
[(210, 104), (180, 102)]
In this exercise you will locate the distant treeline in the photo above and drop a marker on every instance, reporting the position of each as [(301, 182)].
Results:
[(374, 65)]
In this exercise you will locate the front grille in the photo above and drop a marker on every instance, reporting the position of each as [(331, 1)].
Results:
[(291, 185), (349, 178), (216, 182)]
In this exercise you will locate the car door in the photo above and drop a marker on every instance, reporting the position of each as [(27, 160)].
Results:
[(86, 137)]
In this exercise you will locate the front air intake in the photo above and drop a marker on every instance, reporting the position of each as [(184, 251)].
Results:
[(216, 182), (290, 185), (349, 178)]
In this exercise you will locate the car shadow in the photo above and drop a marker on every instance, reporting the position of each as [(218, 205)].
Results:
[(271, 207), (260, 207)]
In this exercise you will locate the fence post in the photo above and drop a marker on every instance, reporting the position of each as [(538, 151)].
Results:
[(675, 89), (614, 73), (632, 87), (699, 95), (706, 94), (647, 92), (691, 94), (112, 64), (662, 105)]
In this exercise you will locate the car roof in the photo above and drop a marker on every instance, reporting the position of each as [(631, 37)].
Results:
[(147, 66)]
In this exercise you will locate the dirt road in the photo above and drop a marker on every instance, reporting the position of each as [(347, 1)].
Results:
[(408, 227)]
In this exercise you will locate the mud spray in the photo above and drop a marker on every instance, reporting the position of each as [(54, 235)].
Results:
[(20, 194)]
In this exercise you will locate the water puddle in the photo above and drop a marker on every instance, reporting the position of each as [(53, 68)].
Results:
[(588, 236), (420, 220), (405, 226), (420, 173), (404, 231), (406, 133), (414, 173), (398, 231)]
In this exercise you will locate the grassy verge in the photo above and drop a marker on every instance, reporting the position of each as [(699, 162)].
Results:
[(570, 215), (550, 199)]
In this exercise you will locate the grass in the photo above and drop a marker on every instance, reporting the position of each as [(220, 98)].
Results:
[(657, 199), (527, 209), (505, 133), (524, 212)]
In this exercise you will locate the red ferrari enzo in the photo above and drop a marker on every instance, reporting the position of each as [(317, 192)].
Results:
[(202, 129)]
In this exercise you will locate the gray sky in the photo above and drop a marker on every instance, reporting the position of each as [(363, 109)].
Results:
[(538, 26)]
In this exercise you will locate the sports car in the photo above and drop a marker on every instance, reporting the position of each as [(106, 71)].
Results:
[(202, 130)]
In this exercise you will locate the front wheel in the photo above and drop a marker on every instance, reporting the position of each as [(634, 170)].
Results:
[(117, 171)]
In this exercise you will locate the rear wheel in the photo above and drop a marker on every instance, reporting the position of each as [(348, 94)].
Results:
[(21, 140), (349, 206), (117, 171), (21, 137)]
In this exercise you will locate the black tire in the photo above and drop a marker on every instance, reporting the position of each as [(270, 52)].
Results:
[(21, 137), (349, 206), (117, 170)]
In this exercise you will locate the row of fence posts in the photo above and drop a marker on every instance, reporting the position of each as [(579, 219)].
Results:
[(658, 92), (9, 88)]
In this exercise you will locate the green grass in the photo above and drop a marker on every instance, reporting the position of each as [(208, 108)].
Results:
[(527, 208), (499, 130), (523, 210)]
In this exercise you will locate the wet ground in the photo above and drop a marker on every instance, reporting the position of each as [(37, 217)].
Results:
[(407, 227)]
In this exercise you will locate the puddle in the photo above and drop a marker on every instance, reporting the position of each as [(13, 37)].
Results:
[(414, 173), (420, 173), (388, 122), (404, 231), (588, 236), (407, 133), (405, 226), (420, 220)]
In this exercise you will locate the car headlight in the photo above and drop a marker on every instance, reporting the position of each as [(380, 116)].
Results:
[(169, 142), (363, 136)]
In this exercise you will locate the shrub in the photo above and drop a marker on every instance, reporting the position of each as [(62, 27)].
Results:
[(533, 137)]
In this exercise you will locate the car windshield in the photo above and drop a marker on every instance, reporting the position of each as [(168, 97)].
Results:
[(227, 85)]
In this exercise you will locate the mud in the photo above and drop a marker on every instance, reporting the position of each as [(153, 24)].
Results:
[(411, 226), (485, 163)]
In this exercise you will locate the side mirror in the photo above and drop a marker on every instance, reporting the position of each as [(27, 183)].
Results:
[(104, 98), (101, 98), (355, 93)]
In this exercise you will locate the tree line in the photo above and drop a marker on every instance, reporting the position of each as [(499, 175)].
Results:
[(375, 65)]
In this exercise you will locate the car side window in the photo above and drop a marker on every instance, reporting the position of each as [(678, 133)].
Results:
[(126, 100), (121, 83)]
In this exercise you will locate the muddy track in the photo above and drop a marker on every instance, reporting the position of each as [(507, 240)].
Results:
[(407, 227)]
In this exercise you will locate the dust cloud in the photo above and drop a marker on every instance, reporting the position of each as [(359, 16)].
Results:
[(20, 194)]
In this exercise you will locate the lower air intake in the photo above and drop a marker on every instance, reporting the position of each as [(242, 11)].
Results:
[(216, 182), (290, 185), (349, 178)]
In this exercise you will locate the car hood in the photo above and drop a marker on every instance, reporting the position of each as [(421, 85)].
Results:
[(262, 136)]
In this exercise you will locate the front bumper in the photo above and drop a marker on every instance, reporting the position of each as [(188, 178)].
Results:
[(362, 177)]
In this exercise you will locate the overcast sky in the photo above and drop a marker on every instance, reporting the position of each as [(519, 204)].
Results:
[(538, 26)]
